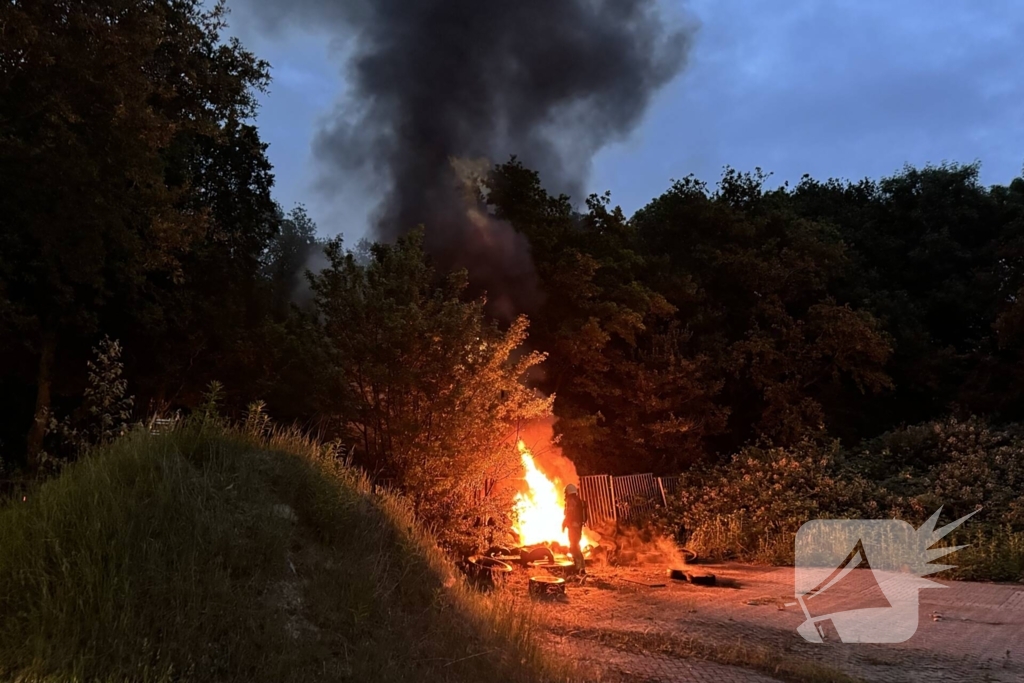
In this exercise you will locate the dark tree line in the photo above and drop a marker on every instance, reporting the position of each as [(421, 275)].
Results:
[(714, 317), (137, 204)]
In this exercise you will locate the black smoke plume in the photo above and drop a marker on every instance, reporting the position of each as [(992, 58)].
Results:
[(432, 81)]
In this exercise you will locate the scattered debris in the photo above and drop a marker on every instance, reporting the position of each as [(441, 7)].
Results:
[(696, 577), (701, 578), (758, 602), (509, 559), (163, 425), (538, 554), (484, 572), (546, 586), (559, 567), (645, 583)]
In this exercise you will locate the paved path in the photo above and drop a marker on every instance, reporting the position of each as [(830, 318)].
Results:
[(617, 664), (967, 631)]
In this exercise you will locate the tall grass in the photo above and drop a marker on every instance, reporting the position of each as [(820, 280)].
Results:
[(994, 554), (215, 554)]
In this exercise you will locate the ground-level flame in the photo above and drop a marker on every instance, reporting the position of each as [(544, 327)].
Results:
[(541, 508)]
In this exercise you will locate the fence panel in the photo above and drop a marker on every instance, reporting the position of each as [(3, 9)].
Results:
[(596, 490), (669, 485), (635, 495), (608, 498)]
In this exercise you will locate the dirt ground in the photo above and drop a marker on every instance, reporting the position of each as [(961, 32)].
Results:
[(628, 629)]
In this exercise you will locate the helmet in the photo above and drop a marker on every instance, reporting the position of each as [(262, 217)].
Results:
[(571, 490)]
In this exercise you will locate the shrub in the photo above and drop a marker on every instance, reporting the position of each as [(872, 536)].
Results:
[(962, 465), (104, 414), (752, 507)]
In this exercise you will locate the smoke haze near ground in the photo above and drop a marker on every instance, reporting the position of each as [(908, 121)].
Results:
[(435, 80)]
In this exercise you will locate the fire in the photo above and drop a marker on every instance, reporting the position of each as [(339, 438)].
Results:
[(541, 508)]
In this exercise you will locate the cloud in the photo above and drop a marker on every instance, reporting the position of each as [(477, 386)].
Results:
[(834, 89)]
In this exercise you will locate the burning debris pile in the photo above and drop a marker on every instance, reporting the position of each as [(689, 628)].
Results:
[(543, 544), (539, 509)]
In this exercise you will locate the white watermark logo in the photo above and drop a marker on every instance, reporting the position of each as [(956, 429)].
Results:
[(857, 580)]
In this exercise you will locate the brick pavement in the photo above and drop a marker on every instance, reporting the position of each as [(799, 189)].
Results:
[(967, 631), (619, 665)]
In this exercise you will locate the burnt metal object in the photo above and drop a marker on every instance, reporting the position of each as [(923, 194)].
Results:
[(485, 572), (538, 554), (491, 564), (508, 559), (677, 574), (697, 578), (557, 566), (701, 578), (546, 586)]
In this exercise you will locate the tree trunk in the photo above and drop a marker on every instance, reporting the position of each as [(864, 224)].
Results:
[(42, 414)]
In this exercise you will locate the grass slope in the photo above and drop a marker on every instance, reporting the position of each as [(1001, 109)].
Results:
[(175, 558)]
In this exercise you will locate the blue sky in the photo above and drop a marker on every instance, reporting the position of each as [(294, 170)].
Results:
[(826, 87)]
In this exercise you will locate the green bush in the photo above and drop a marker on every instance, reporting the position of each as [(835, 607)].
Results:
[(752, 507), (960, 465), (103, 416)]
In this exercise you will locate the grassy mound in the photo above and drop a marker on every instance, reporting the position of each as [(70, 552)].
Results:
[(206, 555)]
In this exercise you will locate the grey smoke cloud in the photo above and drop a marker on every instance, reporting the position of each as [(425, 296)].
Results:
[(432, 80)]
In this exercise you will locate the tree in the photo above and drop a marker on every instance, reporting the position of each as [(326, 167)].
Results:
[(704, 321), (431, 392), (112, 116), (630, 397), (207, 323), (756, 286), (288, 256), (936, 257)]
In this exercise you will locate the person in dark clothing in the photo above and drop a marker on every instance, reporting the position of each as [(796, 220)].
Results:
[(575, 518)]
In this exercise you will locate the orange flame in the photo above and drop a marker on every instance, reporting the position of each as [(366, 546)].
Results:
[(541, 508)]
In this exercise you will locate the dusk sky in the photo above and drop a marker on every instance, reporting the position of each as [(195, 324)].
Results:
[(829, 88)]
